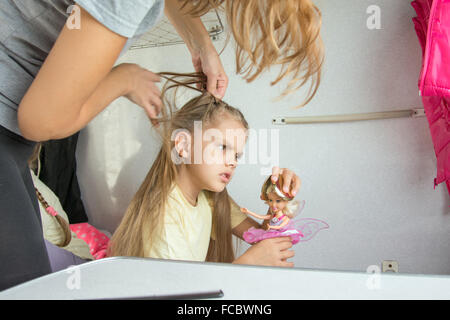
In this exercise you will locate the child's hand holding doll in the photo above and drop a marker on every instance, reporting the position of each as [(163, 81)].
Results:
[(281, 219), (270, 252)]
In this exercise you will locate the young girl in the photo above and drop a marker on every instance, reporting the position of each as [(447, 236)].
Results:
[(182, 210)]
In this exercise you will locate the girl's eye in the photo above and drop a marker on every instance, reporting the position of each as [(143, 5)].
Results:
[(278, 201)]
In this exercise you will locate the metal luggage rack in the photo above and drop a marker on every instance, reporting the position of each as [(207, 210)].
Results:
[(164, 34), (407, 113)]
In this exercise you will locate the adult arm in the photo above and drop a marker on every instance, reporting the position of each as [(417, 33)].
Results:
[(77, 81), (198, 41)]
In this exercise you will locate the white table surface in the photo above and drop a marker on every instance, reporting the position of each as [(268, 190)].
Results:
[(131, 277)]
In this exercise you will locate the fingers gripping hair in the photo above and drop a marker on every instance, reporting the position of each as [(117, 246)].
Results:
[(276, 32)]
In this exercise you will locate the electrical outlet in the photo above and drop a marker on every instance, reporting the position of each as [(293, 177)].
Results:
[(390, 266)]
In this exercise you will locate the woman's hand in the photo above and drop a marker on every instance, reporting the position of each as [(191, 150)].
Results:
[(292, 182), (204, 55), (207, 60), (142, 89), (271, 252)]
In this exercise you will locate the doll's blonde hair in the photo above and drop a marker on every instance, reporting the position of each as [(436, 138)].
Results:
[(273, 32), (144, 216), (269, 187)]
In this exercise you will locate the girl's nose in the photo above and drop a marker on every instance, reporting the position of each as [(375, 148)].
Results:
[(231, 162)]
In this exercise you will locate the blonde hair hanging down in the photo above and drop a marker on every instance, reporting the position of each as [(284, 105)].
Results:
[(273, 32)]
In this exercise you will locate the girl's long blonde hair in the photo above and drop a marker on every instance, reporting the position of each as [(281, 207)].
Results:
[(145, 214), (273, 32)]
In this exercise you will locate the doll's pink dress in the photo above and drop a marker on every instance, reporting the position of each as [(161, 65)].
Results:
[(299, 229)]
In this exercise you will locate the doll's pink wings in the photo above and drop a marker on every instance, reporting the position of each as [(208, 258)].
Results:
[(307, 226)]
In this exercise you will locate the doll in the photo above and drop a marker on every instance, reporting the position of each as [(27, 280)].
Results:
[(283, 216)]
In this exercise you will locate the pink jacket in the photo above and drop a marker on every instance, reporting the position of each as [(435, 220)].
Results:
[(432, 25)]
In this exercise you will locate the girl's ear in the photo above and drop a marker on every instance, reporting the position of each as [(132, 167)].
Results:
[(183, 144)]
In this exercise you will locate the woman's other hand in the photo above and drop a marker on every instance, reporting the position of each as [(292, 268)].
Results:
[(207, 60), (204, 55), (142, 89)]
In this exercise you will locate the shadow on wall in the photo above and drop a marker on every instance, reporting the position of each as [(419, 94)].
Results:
[(134, 168)]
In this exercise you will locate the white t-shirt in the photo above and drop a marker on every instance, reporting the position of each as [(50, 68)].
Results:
[(187, 229)]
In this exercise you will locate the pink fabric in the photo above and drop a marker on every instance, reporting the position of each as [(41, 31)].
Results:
[(96, 240), (432, 26), (51, 211), (306, 228), (254, 235)]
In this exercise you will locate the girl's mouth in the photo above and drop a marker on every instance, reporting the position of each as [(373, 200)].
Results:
[(225, 177)]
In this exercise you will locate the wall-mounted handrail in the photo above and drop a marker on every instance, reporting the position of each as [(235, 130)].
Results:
[(411, 113)]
